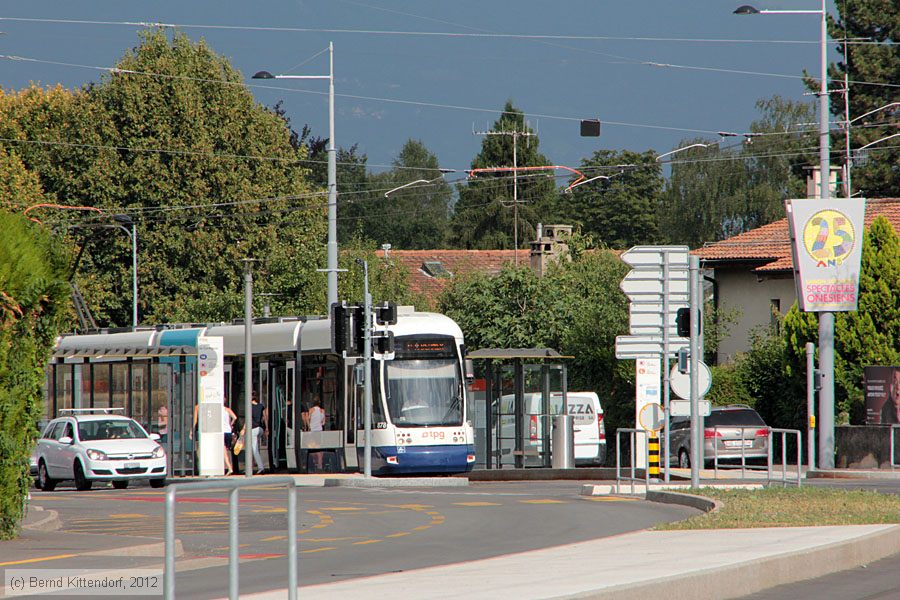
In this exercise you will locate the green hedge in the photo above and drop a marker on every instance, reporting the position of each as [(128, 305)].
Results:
[(33, 295)]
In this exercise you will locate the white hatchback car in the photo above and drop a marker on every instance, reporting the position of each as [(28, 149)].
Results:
[(85, 447)]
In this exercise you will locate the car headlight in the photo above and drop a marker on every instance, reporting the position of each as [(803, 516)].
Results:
[(96, 454), (159, 452)]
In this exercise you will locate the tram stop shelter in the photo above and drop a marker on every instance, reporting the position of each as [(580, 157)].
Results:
[(515, 393)]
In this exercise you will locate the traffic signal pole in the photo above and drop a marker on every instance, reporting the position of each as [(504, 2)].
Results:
[(367, 362)]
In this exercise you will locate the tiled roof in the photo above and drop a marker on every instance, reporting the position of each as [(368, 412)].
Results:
[(771, 244), (458, 262)]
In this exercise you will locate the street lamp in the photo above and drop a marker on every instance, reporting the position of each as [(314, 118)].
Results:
[(332, 249), (677, 150), (124, 220), (826, 319), (417, 181)]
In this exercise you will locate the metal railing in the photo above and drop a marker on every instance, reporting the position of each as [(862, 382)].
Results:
[(232, 487), (784, 472), (632, 434), (894, 464), (744, 466)]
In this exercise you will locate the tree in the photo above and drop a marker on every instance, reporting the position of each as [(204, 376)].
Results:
[(715, 192), (485, 214), (871, 69), (577, 308), (623, 210), (33, 298), (209, 176)]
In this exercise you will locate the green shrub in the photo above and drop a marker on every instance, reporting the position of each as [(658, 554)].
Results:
[(32, 297)]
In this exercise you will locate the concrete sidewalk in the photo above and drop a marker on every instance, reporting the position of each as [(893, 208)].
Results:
[(677, 565)]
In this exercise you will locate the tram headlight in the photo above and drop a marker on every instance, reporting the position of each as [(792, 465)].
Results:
[(95, 454)]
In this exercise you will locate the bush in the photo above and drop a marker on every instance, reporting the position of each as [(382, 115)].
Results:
[(32, 294)]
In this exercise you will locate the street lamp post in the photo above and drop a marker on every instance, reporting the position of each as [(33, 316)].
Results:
[(332, 248), (826, 319), (127, 220)]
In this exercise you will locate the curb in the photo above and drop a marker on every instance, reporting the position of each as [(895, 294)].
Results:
[(397, 482), (842, 474), (48, 522), (669, 497), (761, 574)]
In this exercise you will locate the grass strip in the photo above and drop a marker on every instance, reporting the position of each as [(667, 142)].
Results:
[(791, 507)]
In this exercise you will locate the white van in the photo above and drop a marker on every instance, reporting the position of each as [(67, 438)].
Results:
[(589, 429)]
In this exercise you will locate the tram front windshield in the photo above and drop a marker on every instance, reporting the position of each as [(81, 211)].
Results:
[(424, 393)]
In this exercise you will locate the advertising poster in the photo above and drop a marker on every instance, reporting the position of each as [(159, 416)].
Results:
[(826, 245), (882, 395), (648, 390)]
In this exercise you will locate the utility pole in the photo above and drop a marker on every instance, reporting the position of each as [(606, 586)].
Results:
[(515, 135)]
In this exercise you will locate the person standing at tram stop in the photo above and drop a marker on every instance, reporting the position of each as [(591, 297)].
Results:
[(162, 420), (258, 424), (890, 410), (317, 423)]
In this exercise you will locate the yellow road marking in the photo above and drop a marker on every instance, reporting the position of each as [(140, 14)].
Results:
[(274, 538), (317, 550), (410, 506), (314, 512), (396, 535), (203, 513), (432, 512), (476, 504), (547, 501), (303, 531), (421, 527), (334, 539), (127, 516), (611, 499), (364, 542), (320, 526), (34, 560), (342, 508), (270, 510)]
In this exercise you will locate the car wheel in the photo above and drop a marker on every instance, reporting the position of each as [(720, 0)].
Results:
[(44, 482), (157, 483), (82, 483), (684, 461), (120, 484)]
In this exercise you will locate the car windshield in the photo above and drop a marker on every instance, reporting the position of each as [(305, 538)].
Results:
[(746, 417), (110, 429), (424, 392)]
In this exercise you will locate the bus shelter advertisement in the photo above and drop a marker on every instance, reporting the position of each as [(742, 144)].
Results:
[(882, 395), (826, 242)]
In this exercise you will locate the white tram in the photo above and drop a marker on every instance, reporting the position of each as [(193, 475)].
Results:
[(420, 421)]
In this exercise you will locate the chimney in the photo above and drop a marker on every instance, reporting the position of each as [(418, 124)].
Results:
[(813, 186), (551, 243)]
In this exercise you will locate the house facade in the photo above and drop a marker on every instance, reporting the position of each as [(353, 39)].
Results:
[(754, 275)]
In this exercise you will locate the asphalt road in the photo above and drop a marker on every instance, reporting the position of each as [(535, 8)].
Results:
[(343, 532)]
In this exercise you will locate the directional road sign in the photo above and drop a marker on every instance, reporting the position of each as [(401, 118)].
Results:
[(651, 257), (649, 285), (682, 408), (646, 319), (647, 346)]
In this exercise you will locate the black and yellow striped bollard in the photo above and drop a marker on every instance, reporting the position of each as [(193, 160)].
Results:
[(653, 458)]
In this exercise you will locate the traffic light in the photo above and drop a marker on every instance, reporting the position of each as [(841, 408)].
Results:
[(383, 343), (683, 322), (358, 338), (386, 313), (340, 328)]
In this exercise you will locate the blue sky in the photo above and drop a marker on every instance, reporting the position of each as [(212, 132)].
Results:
[(555, 81)]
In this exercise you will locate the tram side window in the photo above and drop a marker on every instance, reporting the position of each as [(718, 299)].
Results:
[(320, 382)]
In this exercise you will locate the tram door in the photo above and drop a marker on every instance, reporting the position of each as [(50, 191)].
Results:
[(281, 403), (352, 399)]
